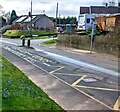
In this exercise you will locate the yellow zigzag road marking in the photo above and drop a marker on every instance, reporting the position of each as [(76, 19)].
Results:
[(99, 88), (56, 70), (76, 82), (117, 104)]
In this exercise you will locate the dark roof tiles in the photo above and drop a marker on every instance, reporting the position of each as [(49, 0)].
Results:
[(100, 10)]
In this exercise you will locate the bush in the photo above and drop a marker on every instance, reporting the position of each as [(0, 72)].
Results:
[(15, 26)]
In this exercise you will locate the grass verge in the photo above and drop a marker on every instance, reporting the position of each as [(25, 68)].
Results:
[(19, 93), (42, 37), (0, 84), (54, 41)]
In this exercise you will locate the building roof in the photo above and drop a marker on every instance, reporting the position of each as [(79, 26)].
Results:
[(100, 10), (84, 10), (26, 18)]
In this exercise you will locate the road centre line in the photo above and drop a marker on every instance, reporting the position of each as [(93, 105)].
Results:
[(117, 104), (8, 42), (56, 70), (76, 82), (98, 88)]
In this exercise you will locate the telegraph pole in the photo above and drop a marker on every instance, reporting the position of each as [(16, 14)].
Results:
[(59, 19), (56, 15), (30, 15)]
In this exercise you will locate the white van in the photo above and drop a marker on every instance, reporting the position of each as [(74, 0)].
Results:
[(84, 21)]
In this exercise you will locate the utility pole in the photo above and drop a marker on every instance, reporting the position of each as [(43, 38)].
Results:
[(30, 15), (56, 15), (59, 19)]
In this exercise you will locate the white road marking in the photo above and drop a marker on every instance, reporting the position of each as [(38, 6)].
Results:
[(76, 62), (81, 63)]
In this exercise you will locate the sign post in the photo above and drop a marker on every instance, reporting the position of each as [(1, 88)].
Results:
[(92, 36)]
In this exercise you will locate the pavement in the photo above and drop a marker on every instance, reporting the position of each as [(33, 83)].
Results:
[(72, 87)]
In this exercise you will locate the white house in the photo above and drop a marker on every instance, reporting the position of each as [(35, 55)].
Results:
[(88, 13)]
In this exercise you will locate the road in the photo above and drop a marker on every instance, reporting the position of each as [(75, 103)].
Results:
[(93, 76)]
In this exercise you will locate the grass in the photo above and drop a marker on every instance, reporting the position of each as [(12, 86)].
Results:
[(54, 41), (19, 93), (0, 84), (18, 33), (42, 37)]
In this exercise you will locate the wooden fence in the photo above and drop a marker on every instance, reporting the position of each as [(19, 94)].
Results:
[(108, 23)]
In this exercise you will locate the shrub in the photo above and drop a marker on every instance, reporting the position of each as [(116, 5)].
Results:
[(15, 26)]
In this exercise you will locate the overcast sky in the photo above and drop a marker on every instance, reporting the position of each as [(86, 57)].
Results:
[(66, 7)]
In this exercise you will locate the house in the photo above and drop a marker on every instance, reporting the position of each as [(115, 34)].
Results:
[(38, 22), (87, 14)]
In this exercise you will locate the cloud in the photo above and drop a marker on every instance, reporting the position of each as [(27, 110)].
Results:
[(66, 7)]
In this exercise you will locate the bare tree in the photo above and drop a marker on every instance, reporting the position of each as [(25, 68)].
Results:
[(0, 8), (1, 11), (109, 2), (112, 2)]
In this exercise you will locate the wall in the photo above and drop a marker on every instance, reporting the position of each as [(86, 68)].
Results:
[(44, 22)]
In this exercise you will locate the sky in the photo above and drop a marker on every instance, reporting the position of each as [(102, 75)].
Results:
[(66, 7)]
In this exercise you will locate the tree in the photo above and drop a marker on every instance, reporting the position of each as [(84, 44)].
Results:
[(1, 11), (0, 7), (109, 3), (118, 3), (13, 16)]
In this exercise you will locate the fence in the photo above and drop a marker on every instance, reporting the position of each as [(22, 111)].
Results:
[(108, 23)]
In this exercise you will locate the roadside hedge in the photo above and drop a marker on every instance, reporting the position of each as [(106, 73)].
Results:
[(18, 33), (109, 43)]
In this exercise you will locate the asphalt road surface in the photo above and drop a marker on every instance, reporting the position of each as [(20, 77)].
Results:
[(95, 78)]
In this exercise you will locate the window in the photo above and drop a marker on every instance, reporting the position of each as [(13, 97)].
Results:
[(81, 19), (88, 20)]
